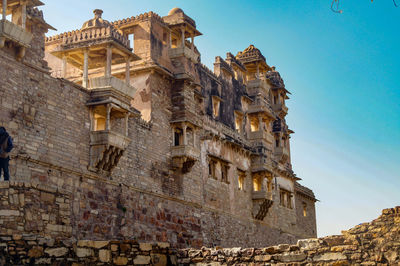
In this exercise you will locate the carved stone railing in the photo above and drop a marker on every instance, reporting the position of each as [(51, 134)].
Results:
[(261, 135), (262, 163), (262, 194), (185, 151), (77, 36), (15, 33), (184, 157), (281, 153), (109, 138), (101, 83), (255, 86), (279, 107), (183, 52)]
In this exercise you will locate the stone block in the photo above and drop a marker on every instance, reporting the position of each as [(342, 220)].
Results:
[(56, 252), (330, 256), (35, 252), (158, 260), (104, 255), (142, 260), (9, 213), (84, 252), (47, 197), (121, 261), (145, 246)]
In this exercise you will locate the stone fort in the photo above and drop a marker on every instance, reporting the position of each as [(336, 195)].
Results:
[(122, 133)]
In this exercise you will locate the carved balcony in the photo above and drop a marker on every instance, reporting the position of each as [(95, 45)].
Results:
[(261, 163), (104, 88), (184, 157), (14, 33), (262, 201), (256, 86), (280, 107), (281, 154), (183, 52), (106, 148), (261, 135)]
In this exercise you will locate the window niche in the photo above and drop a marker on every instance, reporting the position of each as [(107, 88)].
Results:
[(239, 122), (241, 178), (257, 183), (286, 198), (304, 209), (216, 102), (224, 172)]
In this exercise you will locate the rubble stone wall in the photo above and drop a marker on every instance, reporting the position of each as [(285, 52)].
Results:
[(374, 243)]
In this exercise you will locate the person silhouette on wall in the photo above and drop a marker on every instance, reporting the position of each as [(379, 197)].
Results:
[(6, 145)]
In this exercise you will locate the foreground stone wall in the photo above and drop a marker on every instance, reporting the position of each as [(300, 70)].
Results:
[(374, 243)]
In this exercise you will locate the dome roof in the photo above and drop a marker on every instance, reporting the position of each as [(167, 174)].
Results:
[(97, 21), (175, 10)]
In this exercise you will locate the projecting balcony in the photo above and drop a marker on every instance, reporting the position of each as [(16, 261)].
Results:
[(106, 148), (260, 108), (262, 201), (109, 138), (261, 195), (12, 32), (281, 153), (261, 135), (184, 157), (280, 107), (183, 52), (186, 151), (261, 164), (256, 86), (111, 85)]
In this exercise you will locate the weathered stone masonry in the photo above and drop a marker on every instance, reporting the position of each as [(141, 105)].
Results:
[(147, 144)]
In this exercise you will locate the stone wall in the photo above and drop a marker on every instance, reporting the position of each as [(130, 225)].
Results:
[(33, 250), (374, 243)]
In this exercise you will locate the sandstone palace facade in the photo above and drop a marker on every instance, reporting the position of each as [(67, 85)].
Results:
[(122, 133)]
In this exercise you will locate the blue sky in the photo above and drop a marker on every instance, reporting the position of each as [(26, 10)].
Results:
[(343, 71)]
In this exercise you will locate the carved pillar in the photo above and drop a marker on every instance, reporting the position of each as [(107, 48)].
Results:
[(173, 136), (108, 61), (4, 13), (126, 124), (128, 71), (92, 120), (170, 39), (23, 15), (260, 123), (85, 81), (184, 127), (183, 37), (108, 118), (64, 67)]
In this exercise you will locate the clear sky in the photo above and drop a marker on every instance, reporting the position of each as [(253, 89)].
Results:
[(343, 71)]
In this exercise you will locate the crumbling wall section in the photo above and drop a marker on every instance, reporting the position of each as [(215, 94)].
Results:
[(374, 243)]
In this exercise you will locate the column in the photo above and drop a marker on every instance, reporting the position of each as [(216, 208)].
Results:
[(194, 137), (128, 71), (184, 134), (183, 37), (108, 61), (126, 124), (85, 81), (173, 136), (64, 67), (260, 123), (23, 18), (170, 39), (4, 13), (108, 126), (92, 120)]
